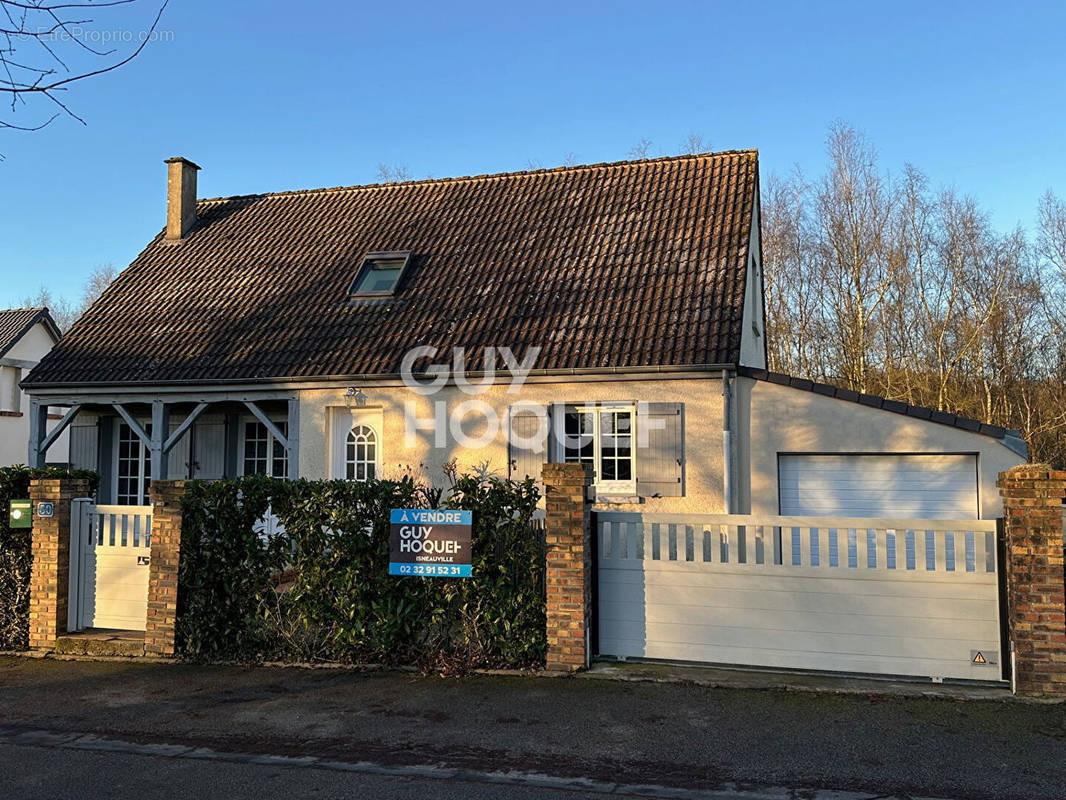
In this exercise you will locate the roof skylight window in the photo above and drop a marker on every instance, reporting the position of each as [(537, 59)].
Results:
[(379, 274)]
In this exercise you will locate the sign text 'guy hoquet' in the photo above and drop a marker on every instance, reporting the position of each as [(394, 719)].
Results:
[(429, 543)]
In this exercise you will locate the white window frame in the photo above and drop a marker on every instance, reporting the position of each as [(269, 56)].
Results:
[(144, 464), (271, 444), (604, 487), (352, 462), (341, 422)]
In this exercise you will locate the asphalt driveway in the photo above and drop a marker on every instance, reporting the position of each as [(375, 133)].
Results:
[(666, 734)]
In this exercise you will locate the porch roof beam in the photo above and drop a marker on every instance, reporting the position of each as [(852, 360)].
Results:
[(59, 428), (91, 395), (135, 426), (281, 438), (19, 363), (184, 426)]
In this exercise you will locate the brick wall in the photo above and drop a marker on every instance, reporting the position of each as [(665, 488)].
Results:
[(569, 565), (50, 547), (163, 567), (1036, 584)]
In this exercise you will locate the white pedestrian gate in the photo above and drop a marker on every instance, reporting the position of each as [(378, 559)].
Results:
[(110, 548), (876, 596)]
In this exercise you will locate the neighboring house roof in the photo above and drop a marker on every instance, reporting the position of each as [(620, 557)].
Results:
[(632, 264), (16, 322), (1011, 438)]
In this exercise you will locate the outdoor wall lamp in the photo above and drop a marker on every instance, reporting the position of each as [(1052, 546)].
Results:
[(353, 395)]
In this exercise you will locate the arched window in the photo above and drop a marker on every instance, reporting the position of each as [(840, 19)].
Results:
[(362, 455)]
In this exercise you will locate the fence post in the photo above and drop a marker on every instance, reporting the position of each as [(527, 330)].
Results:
[(50, 549), (163, 567), (1036, 584), (569, 565)]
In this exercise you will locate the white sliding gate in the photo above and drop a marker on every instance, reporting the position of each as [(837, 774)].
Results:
[(878, 596), (110, 548)]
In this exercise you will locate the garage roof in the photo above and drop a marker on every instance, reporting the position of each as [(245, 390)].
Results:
[(894, 406)]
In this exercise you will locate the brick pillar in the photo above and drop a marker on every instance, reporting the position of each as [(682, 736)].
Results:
[(50, 547), (163, 567), (569, 565), (1036, 618)]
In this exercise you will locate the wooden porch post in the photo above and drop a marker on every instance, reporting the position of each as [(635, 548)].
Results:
[(292, 439), (160, 432), (38, 432)]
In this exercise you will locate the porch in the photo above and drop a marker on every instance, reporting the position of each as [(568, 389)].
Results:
[(132, 438)]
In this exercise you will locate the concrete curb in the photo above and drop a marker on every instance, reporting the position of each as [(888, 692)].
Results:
[(768, 681), (729, 791)]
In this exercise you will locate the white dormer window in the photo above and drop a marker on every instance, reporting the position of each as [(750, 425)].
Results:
[(379, 274)]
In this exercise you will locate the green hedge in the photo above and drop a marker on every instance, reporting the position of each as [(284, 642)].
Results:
[(320, 590), (15, 554)]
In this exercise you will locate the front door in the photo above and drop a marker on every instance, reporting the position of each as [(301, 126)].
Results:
[(355, 444)]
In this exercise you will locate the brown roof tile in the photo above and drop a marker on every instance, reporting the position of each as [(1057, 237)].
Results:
[(14, 322), (613, 265)]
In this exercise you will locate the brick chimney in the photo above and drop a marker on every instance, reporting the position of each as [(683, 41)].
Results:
[(181, 197)]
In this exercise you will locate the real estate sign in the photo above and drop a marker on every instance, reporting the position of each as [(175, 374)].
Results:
[(429, 543)]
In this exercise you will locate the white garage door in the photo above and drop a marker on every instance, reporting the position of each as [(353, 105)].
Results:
[(886, 486)]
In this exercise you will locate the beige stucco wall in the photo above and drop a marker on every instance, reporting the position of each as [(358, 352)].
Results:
[(15, 431), (775, 419), (703, 429)]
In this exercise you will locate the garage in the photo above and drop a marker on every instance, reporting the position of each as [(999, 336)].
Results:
[(926, 486)]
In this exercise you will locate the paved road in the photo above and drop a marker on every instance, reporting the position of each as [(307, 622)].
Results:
[(673, 735), (32, 773)]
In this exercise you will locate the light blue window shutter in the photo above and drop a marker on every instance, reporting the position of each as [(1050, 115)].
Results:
[(661, 465), (209, 459), (178, 457), (84, 435), (523, 460)]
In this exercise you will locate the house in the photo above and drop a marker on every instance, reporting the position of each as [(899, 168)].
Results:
[(26, 334), (342, 333)]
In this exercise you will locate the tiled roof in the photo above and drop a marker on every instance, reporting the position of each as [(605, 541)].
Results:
[(15, 322), (920, 412), (632, 264)]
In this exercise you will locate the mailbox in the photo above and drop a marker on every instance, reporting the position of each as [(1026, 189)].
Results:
[(19, 514)]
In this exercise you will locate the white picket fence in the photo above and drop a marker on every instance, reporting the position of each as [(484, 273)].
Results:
[(905, 544), (895, 597)]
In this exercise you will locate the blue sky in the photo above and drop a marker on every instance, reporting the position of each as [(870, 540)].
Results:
[(267, 96)]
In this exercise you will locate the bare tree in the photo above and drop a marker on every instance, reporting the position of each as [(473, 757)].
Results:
[(887, 287), (794, 329), (66, 313), (395, 174), (1051, 251), (694, 144), (63, 312), (854, 209), (640, 149), (95, 285), (48, 45)]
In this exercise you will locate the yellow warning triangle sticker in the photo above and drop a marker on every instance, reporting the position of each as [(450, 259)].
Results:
[(979, 658)]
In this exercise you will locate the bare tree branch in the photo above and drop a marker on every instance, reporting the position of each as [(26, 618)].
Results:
[(54, 32)]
